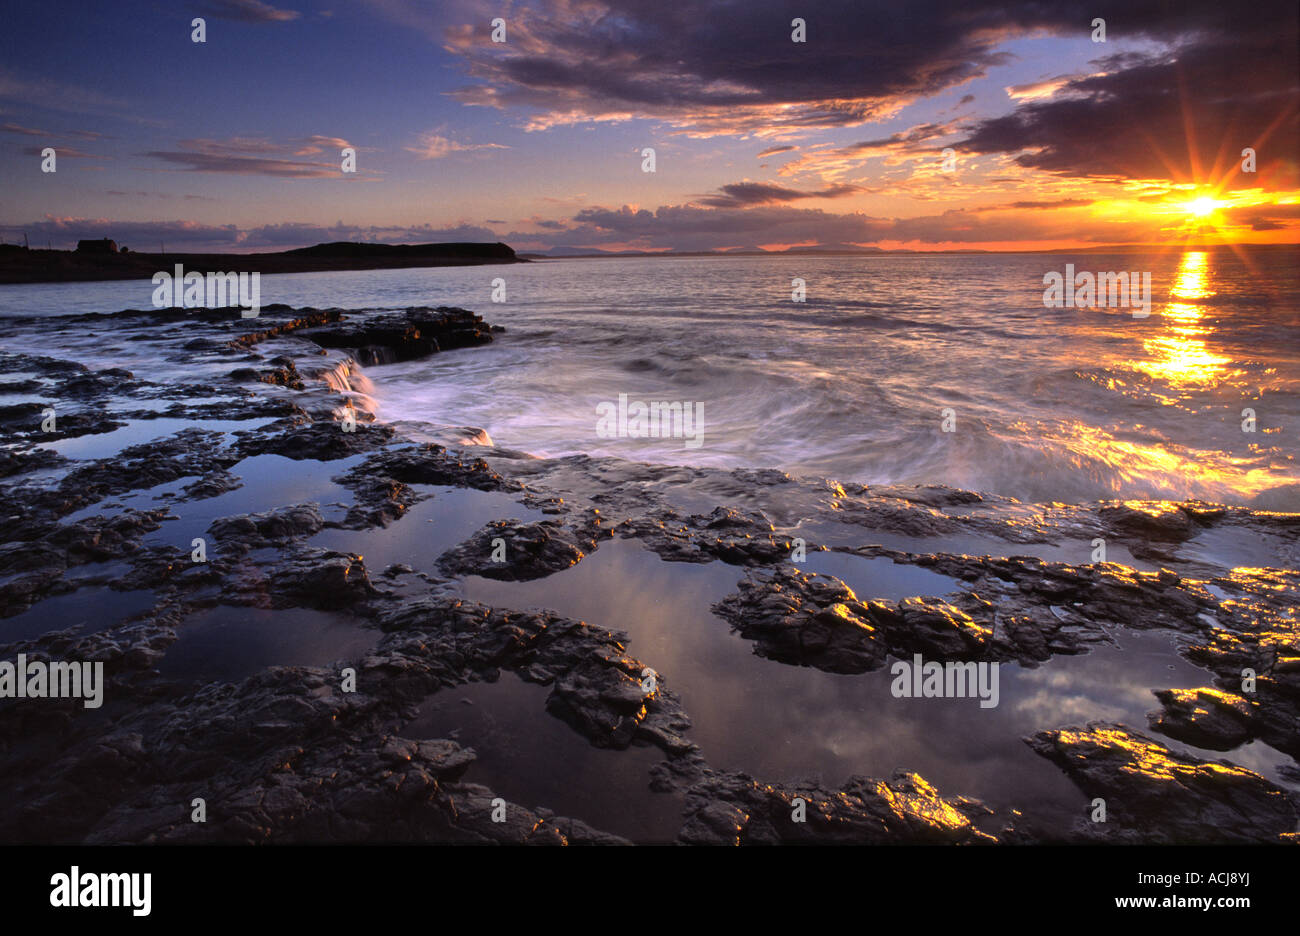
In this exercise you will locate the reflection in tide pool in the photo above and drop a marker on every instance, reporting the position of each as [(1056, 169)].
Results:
[(532, 758), (231, 643), (790, 723)]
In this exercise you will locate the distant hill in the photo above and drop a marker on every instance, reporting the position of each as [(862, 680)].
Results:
[(20, 265), (468, 251)]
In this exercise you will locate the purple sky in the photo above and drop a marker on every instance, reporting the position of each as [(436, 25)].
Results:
[(235, 143)]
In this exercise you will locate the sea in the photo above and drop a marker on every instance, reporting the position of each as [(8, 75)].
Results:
[(894, 368)]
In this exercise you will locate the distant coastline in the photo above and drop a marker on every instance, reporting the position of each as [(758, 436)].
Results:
[(21, 265), (850, 251)]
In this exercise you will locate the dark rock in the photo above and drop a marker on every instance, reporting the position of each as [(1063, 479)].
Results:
[(733, 809), (1206, 718), (388, 337), (531, 550), (1157, 796)]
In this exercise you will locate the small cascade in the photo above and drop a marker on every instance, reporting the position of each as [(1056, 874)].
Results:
[(347, 379)]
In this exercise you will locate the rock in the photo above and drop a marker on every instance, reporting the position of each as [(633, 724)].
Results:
[(255, 531), (733, 809), (531, 551), (1206, 718), (1157, 796), (402, 336)]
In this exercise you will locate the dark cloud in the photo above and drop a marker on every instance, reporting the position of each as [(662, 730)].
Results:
[(695, 227), (1039, 205), (1263, 217), (739, 194), (733, 69), (243, 156), (773, 150), (246, 165), (1182, 115)]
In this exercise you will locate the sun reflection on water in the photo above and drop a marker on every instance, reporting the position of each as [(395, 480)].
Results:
[(1179, 355)]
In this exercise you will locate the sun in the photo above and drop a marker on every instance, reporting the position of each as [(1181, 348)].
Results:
[(1202, 207)]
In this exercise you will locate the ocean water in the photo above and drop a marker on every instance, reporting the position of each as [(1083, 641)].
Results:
[(855, 382)]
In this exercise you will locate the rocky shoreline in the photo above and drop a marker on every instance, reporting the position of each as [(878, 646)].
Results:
[(316, 752)]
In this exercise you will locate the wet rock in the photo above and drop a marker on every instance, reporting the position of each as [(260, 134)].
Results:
[(16, 461), (39, 561), (318, 441), (807, 620), (287, 757), (379, 502), (734, 809), (1157, 796), (1150, 520), (255, 531), (26, 421), (403, 336), (213, 484), (290, 320), (428, 464), (190, 452), (596, 688), (321, 579), (284, 375), (744, 538), (816, 620), (1206, 718), (531, 551)]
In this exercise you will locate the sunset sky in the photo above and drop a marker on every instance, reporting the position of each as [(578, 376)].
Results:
[(234, 144)]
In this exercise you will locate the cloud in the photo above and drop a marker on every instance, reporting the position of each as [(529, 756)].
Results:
[(1038, 205), (773, 150), (434, 146), (1039, 90), (698, 227), (55, 95), (734, 69), (247, 11), (318, 144), (64, 152), (256, 156), (192, 236), (678, 227), (165, 196), (739, 194), (61, 134), (922, 140), (1183, 114)]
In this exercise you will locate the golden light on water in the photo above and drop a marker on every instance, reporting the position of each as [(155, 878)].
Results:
[(1191, 283), (1179, 355)]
